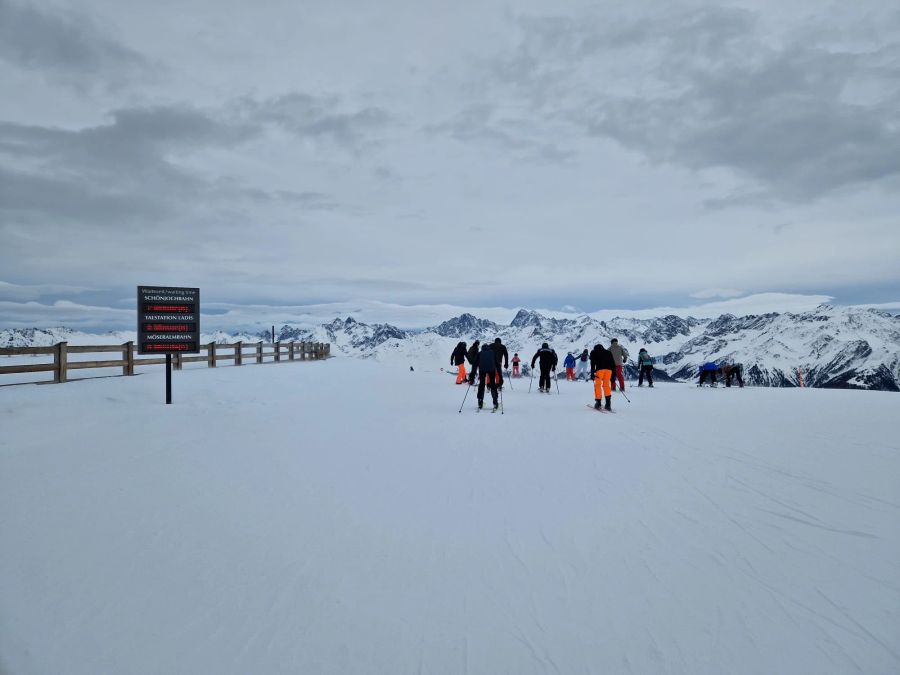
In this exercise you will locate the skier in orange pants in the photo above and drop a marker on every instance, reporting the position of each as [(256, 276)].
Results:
[(602, 367), (458, 359)]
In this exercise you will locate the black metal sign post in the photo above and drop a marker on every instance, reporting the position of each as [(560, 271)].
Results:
[(168, 323)]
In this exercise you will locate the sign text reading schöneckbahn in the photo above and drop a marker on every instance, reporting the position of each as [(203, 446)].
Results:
[(168, 320)]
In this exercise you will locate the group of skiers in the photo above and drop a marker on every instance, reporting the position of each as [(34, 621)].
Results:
[(488, 361), (727, 370)]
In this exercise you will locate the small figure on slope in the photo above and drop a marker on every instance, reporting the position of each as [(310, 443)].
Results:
[(458, 359), (487, 374), (730, 370), (516, 361), (645, 368), (569, 363), (502, 357), (581, 370), (548, 361), (620, 356), (472, 357), (708, 370), (602, 365)]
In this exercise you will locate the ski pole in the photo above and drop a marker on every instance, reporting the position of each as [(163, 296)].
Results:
[(465, 397), (508, 378), (622, 391), (501, 400), (557, 381), (532, 380)]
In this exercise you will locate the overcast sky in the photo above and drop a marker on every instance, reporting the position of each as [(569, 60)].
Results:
[(571, 156)]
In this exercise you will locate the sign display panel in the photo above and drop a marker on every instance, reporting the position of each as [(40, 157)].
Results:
[(168, 320)]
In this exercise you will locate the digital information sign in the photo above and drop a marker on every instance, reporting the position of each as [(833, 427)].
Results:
[(168, 320)]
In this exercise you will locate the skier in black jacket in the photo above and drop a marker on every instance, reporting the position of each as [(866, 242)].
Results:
[(502, 357), (472, 356), (548, 362), (487, 374), (603, 365), (458, 359)]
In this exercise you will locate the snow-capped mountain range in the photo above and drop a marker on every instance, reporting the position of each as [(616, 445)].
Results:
[(828, 347)]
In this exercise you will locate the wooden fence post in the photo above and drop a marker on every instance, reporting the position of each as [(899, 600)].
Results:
[(327, 349), (278, 351), (60, 360), (238, 355), (177, 363), (128, 357), (211, 354), (259, 351), (291, 350)]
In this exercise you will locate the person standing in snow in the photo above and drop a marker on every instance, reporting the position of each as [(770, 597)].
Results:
[(472, 357), (548, 361), (516, 361), (581, 370), (602, 366), (502, 357), (645, 366), (458, 359), (569, 364), (620, 356), (708, 369), (488, 374), (730, 370)]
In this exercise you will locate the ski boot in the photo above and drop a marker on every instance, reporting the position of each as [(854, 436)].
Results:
[(480, 404), (608, 405), (597, 403)]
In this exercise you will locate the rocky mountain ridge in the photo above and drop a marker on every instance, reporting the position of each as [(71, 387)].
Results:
[(841, 347)]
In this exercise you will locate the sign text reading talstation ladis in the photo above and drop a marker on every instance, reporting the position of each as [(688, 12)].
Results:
[(168, 320)]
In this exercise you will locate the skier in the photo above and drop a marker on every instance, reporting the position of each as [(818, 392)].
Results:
[(516, 361), (602, 365), (458, 359), (487, 374), (548, 362), (472, 357), (708, 369), (581, 371), (620, 356), (730, 370), (569, 363), (645, 365), (502, 357)]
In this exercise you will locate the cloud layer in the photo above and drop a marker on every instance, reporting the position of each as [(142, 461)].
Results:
[(551, 155)]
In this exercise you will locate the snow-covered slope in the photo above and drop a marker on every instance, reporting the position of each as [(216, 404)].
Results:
[(340, 518), (830, 347)]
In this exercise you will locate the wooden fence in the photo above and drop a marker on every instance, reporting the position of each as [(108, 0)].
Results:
[(236, 352)]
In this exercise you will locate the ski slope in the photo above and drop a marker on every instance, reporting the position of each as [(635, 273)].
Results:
[(342, 517)]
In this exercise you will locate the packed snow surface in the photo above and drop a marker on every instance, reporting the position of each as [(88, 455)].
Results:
[(342, 517)]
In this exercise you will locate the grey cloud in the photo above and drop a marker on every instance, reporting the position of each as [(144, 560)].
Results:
[(126, 170), (312, 200), (26, 292), (32, 198), (717, 93), (320, 117), (481, 124), (66, 47)]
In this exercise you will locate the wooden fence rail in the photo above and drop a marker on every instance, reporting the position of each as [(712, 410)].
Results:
[(61, 365)]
